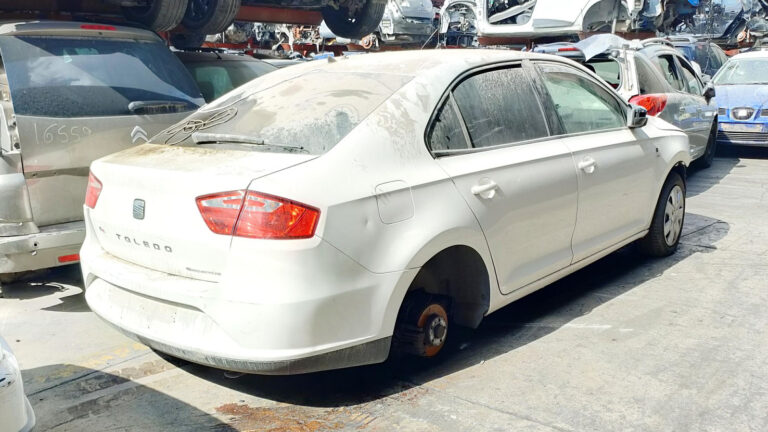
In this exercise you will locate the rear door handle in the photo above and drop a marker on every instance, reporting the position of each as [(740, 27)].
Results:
[(587, 165), (486, 189)]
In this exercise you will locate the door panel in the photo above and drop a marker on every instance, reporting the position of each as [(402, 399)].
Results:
[(529, 215), (614, 163), (616, 193)]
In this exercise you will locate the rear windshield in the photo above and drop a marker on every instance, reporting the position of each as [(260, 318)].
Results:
[(309, 113), (87, 77), (217, 77)]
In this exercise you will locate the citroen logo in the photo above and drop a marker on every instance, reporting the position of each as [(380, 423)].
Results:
[(138, 134), (138, 208)]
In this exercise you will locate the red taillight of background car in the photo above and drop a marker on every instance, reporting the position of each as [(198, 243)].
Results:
[(653, 103), (93, 191), (257, 215)]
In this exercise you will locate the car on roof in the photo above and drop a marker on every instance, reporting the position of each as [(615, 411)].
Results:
[(406, 193), (652, 74), (707, 55), (190, 20), (217, 73), (16, 414), (742, 99), (72, 92)]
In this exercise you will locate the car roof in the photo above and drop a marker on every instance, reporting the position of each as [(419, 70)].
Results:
[(415, 62), (204, 56), (751, 54), (74, 28)]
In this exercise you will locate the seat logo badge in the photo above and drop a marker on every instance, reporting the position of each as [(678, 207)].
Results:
[(138, 134), (138, 208)]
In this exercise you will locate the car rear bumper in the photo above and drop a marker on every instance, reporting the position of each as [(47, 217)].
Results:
[(43, 249), (285, 328)]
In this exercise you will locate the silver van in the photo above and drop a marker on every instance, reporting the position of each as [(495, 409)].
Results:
[(72, 92)]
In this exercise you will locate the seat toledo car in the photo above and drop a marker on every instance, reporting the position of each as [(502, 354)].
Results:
[(405, 194), (742, 100)]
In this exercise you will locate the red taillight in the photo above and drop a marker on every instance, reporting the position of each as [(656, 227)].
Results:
[(93, 191), (97, 27), (653, 103), (564, 49), (69, 258), (257, 215)]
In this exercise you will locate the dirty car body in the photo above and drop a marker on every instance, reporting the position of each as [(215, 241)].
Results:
[(253, 242), (16, 413), (71, 93)]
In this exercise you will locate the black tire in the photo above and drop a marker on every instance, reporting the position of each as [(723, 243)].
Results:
[(187, 40), (160, 15), (705, 161), (210, 16), (656, 243), (364, 21)]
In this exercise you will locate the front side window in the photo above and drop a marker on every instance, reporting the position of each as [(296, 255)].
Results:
[(84, 77), (692, 83), (667, 65), (500, 107), (581, 104), (446, 132)]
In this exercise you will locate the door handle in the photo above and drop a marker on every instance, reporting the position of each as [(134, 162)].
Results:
[(587, 165), (486, 189)]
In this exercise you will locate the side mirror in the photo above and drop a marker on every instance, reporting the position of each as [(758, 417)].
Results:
[(638, 116), (709, 92)]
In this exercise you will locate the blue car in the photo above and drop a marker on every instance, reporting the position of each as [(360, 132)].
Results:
[(741, 87)]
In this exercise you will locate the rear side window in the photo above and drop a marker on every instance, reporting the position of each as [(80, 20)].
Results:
[(649, 80), (668, 69), (446, 132), (608, 70), (500, 107), (217, 77), (581, 104), (87, 77)]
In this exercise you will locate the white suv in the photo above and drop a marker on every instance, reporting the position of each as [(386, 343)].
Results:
[(404, 194)]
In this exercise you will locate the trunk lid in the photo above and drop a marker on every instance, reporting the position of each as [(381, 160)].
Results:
[(147, 212)]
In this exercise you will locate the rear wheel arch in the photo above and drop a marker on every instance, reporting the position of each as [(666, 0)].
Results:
[(460, 274)]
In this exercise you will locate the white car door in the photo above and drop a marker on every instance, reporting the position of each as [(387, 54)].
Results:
[(615, 164), (520, 184)]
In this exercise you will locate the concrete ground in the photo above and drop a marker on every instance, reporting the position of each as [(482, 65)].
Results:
[(626, 344)]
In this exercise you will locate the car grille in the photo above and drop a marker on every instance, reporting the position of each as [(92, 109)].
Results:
[(742, 113), (744, 137)]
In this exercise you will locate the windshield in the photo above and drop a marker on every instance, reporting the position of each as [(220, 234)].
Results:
[(217, 77), (743, 71), (311, 112), (86, 77)]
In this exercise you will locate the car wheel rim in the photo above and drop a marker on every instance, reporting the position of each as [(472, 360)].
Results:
[(674, 212)]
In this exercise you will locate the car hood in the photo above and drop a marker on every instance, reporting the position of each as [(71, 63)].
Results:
[(731, 96)]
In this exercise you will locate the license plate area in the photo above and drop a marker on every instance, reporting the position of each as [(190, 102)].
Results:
[(739, 127)]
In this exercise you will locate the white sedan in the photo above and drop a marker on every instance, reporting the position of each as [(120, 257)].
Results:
[(325, 212), (15, 411)]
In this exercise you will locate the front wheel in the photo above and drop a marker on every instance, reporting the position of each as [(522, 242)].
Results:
[(668, 217), (354, 19), (210, 16)]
